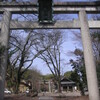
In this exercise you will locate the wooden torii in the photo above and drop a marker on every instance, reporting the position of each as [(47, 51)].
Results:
[(80, 8)]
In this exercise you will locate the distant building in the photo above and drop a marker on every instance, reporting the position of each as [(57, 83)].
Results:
[(50, 86), (68, 85)]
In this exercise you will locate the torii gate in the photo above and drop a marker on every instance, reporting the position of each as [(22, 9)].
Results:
[(81, 8)]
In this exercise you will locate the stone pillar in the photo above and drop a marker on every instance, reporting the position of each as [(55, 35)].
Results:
[(49, 86), (89, 58), (4, 35), (67, 88)]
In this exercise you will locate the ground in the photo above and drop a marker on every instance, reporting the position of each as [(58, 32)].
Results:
[(24, 97), (19, 97)]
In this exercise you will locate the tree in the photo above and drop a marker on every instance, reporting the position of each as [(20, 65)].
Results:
[(34, 76), (35, 79), (68, 74), (95, 36), (79, 73), (52, 55), (21, 55), (48, 76)]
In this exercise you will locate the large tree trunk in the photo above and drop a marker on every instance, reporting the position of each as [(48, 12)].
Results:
[(17, 88), (59, 85), (17, 84)]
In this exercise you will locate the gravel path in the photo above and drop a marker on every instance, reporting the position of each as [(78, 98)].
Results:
[(23, 97)]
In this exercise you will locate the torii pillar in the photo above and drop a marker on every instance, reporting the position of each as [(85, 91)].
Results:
[(89, 58), (4, 36)]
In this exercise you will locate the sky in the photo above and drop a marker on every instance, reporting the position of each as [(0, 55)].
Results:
[(68, 45)]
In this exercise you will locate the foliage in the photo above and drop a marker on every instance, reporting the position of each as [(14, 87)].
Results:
[(68, 74), (48, 76), (96, 48), (2, 49), (98, 73), (95, 37), (34, 76), (79, 74)]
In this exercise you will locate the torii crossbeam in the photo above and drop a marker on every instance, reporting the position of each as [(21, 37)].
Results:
[(81, 8)]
